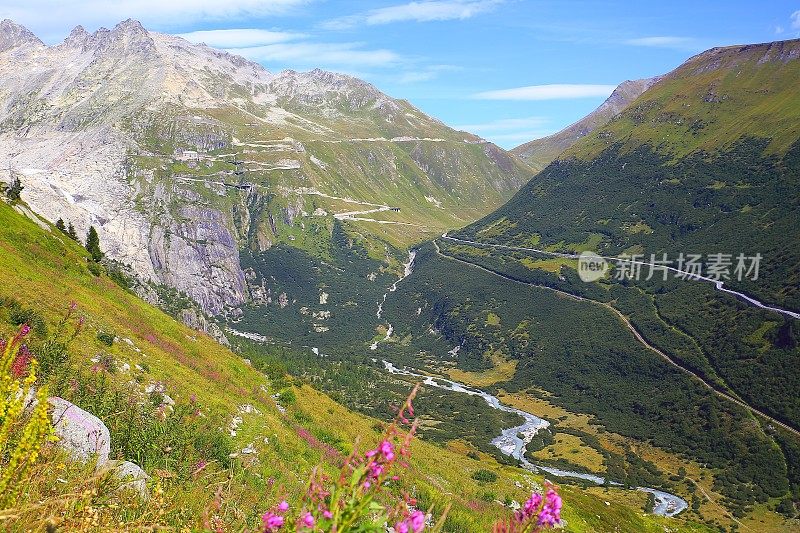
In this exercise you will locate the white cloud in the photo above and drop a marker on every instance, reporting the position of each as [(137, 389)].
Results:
[(664, 41), (795, 18), (311, 54), (504, 124), (424, 11), (240, 38), (509, 132), (293, 50), (49, 18), (425, 73), (557, 91), (778, 30)]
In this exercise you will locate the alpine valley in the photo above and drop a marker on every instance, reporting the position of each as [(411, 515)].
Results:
[(288, 254)]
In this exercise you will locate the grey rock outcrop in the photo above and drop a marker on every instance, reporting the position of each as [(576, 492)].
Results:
[(133, 477), (81, 433)]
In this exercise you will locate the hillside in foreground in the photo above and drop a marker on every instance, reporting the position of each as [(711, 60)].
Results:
[(129, 352), (703, 162)]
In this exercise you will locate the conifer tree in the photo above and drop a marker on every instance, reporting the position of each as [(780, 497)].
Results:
[(93, 245), (72, 233), (60, 225)]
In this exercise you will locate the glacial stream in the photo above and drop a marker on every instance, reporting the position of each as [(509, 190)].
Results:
[(513, 441)]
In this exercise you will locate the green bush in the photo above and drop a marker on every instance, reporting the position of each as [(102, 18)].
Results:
[(484, 476), (286, 397), (22, 315), (95, 269), (106, 338)]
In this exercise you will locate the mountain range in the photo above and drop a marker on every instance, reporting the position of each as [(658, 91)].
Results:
[(181, 155), (323, 229)]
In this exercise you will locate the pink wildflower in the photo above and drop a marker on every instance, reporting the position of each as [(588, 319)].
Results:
[(20, 365), (21, 334), (401, 527), (308, 519), (283, 506), (272, 522), (417, 520), (550, 514), (327, 514), (532, 505)]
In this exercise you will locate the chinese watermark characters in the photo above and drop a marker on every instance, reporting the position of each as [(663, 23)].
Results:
[(658, 267)]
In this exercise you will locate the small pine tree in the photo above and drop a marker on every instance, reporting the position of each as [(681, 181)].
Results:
[(72, 233), (14, 190), (93, 245), (60, 225)]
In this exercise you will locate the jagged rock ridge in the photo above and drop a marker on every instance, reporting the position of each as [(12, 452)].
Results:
[(174, 150)]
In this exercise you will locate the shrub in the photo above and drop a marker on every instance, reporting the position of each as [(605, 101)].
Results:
[(484, 476), (95, 269), (13, 190), (20, 315), (21, 436), (106, 338), (286, 397)]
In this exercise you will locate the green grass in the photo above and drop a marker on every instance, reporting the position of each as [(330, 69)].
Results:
[(46, 271)]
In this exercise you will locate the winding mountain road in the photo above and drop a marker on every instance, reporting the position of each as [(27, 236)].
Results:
[(628, 324), (719, 284)]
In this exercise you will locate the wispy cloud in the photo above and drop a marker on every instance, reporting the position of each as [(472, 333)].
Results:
[(556, 91), (664, 41), (240, 38), (509, 131), (48, 17), (316, 54), (425, 73), (795, 18), (424, 11), (293, 49)]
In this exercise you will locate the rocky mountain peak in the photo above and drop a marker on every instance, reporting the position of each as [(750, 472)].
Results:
[(129, 36), (13, 35), (77, 38)]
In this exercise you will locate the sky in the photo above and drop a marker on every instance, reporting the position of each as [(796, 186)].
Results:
[(508, 70)]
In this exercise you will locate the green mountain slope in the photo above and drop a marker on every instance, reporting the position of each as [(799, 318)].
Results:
[(541, 152), (706, 161), (290, 426), (182, 156)]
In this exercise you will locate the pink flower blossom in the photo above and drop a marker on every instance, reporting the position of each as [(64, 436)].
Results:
[(283, 506), (550, 514), (417, 520), (19, 366), (308, 519), (532, 505), (272, 522)]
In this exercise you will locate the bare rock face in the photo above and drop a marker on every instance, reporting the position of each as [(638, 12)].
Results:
[(199, 256), (133, 477), (160, 143), (81, 433), (13, 35)]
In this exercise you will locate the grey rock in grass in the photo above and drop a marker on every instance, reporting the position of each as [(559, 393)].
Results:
[(82, 434)]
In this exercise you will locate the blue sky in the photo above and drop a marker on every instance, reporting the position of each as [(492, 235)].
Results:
[(475, 64)]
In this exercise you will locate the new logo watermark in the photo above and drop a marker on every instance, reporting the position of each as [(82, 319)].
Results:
[(591, 267), (717, 267)]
